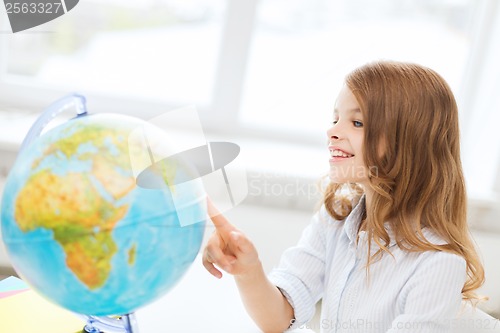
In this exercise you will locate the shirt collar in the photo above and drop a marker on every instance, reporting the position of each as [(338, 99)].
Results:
[(353, 221)]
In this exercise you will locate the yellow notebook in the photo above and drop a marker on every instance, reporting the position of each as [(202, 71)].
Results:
[(27, 312)]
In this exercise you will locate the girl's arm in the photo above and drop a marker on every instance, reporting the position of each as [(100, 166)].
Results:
[(231, 250)]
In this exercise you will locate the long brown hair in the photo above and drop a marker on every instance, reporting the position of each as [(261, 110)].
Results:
[(410, 111)]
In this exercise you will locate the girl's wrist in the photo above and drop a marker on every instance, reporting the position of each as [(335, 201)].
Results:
[(252, 273)]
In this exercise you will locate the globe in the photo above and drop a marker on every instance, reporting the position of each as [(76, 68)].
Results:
[(80, 229)]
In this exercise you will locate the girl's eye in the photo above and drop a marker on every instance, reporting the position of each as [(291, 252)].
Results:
[(335, 122), (357, 123)]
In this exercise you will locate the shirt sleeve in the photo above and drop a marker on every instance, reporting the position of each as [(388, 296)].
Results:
[(432, 297), (300, 274)]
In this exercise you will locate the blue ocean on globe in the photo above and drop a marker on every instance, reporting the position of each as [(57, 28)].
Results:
[(81, 231)]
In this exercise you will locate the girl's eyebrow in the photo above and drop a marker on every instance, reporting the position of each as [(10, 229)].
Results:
[(355, 110)]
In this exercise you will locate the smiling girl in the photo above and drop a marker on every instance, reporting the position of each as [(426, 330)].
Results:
[(390, 249)]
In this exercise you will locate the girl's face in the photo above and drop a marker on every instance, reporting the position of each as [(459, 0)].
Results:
[(345, 141)]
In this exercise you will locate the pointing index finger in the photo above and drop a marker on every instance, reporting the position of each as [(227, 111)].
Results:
[(216, 216)]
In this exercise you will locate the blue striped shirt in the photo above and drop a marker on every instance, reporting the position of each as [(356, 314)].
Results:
[(406, 292)]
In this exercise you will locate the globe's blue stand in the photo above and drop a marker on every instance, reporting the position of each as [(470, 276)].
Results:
[(75, 100), (126, 323)]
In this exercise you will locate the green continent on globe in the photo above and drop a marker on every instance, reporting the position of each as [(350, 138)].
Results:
[(131, 254), (73, 206)]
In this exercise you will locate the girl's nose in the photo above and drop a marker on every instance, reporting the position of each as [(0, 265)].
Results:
[(332, 134)]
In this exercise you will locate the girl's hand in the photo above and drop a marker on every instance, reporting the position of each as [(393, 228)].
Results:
[(228, 248)]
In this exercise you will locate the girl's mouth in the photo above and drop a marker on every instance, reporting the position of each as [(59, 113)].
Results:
[(339, 153)]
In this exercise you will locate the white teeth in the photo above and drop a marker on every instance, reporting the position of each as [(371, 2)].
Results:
[(339, 153)]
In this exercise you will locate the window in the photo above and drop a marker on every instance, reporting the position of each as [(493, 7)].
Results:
[(302, 49), (153, 50)]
